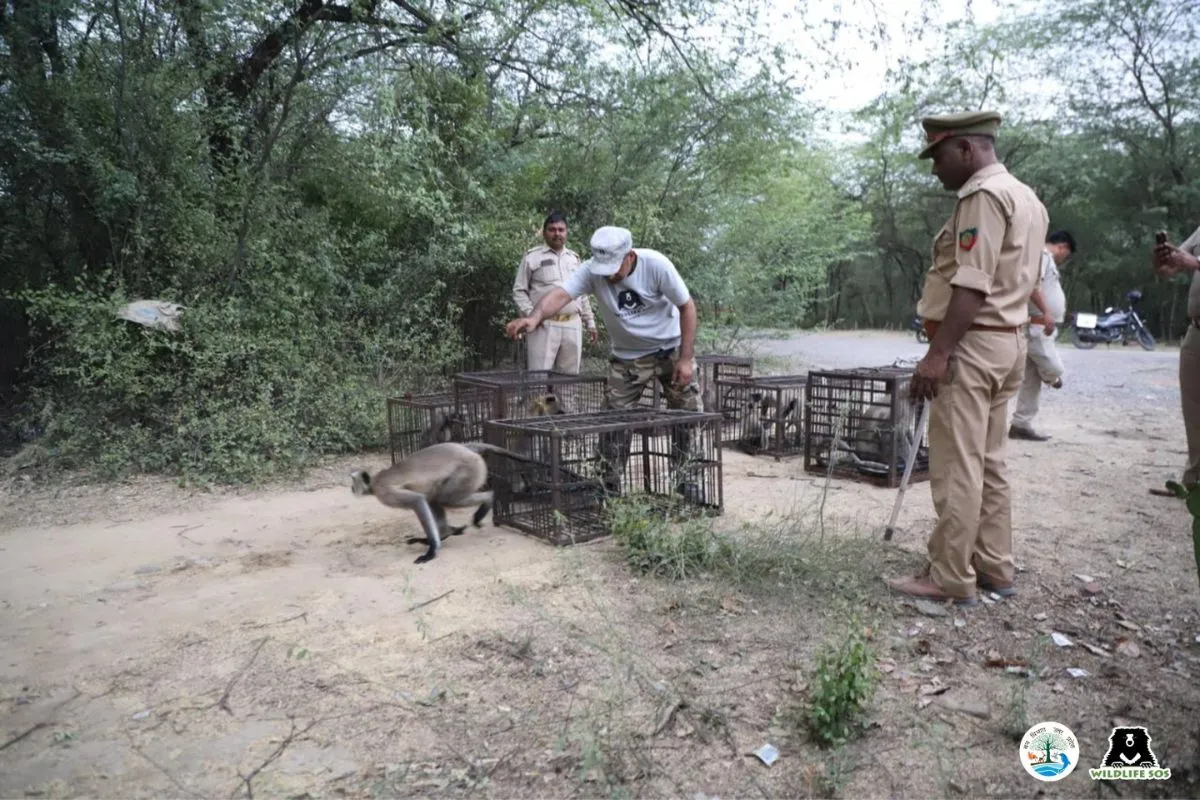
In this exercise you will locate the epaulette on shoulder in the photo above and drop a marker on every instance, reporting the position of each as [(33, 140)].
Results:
[(970, 188)]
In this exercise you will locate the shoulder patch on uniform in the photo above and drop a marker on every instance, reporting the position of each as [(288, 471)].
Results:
[(967, 238), (546, 262)]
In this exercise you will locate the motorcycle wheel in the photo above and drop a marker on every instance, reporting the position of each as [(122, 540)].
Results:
[(1079, 343), (1145, 339)]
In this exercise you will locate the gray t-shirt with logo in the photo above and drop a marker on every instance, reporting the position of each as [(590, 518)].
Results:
[(641, 312)]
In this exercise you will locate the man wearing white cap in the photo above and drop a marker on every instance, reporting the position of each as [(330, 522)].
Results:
[(649, 314), (651, 321)]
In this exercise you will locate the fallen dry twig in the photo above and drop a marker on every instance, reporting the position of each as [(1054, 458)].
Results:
[(247, 780), (431, 602), (223, 703)]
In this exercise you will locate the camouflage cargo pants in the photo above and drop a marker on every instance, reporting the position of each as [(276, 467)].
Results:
[(627, 379)]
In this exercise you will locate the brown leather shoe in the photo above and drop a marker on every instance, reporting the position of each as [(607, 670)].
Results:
[(1015, 432), (925, 589)]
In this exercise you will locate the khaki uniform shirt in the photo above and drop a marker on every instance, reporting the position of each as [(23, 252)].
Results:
[(993, 244), (542, 270), (1192, 245)]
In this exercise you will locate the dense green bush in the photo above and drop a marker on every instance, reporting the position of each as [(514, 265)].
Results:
[(245, 390)]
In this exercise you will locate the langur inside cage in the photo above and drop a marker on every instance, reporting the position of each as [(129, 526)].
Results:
[(713, 367), (419, 420), (516, 394), (764, 415), (860, 424), (577, 462)]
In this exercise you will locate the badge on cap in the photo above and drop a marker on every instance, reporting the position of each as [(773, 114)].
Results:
[(967, 238)]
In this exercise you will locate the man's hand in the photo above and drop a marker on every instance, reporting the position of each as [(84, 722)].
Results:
[(593, 335), (1165, 272), (1047, 324), (930, 371), (683, 372), (519, 327), (1170, 258)]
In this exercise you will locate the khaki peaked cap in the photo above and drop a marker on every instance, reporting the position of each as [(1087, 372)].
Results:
[(965, 123)]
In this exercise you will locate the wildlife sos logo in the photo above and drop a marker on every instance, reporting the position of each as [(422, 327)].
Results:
[(1129, 758), (629, 302), (1049, 751)]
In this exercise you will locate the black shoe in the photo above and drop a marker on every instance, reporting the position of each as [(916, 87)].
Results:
[(1015, 432), (987, 585)]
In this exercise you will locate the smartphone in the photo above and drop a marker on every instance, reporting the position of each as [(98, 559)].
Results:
[(1160, 237)]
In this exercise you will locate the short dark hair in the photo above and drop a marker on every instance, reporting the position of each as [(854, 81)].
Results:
[(555, 217), (1062, 237)]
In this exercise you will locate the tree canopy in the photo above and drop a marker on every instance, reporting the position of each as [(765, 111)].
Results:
[(339, 193)]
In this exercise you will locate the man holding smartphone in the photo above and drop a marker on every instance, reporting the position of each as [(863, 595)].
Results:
[(1170, 261)]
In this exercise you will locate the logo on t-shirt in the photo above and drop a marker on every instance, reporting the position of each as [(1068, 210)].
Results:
[(629, 300)]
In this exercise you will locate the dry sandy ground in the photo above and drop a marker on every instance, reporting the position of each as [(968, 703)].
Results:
[(282, 643)]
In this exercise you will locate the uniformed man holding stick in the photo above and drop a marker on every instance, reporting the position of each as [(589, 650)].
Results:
[(986, 262)]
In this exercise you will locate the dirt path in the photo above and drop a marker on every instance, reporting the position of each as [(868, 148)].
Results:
[(166, 644)]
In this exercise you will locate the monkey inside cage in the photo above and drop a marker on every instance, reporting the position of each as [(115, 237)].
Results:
[(579, 461), (419, 420), (765, 414), (516, 394), (713, 367), (861, 425)]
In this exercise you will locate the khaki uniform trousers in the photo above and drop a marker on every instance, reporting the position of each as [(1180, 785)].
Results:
[(1189, 395), (968, 425), (1042, 365), (556, 346)]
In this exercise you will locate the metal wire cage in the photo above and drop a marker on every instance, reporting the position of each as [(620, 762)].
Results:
[(859, 424), (763, 415), (709, 368), (578, 461), (652, 396), (419, 420), (516, 394), (713, 367)]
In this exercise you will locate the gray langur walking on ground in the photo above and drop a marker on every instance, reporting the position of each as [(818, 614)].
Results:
[(441, 476)]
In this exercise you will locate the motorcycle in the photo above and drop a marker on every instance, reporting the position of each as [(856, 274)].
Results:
[(1114, 325), (918, 325)]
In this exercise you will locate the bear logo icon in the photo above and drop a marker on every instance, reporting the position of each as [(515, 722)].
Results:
[(629, 300), (1130, 747)]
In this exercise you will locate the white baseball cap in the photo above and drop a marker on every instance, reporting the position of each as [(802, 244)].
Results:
[(609, 246)]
